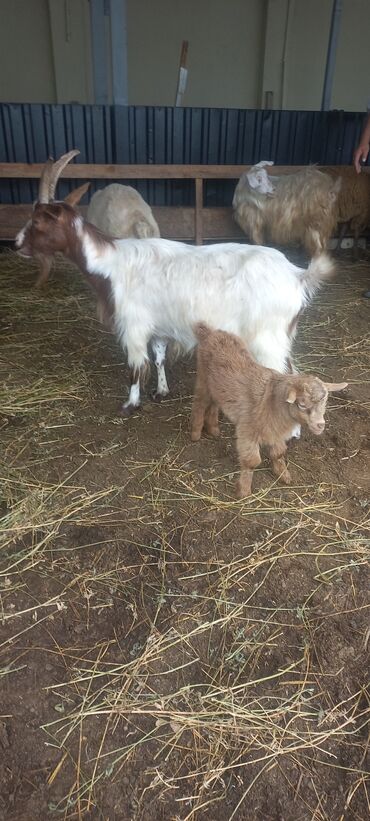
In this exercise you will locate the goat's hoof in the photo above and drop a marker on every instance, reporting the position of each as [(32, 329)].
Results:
[(195, 435), (158, 397), (129, 410)]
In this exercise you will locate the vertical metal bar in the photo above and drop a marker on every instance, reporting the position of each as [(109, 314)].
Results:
[(118, 23), (99, 58), (198, 211), (331, 55)]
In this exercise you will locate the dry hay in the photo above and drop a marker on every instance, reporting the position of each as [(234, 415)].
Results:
[(219, 674)]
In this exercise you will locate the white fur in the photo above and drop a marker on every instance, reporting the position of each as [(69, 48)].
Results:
[(162, 288), (159, 347), (21, 235), (134, 396)]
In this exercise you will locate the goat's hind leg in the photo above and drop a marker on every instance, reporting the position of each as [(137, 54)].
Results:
[(159, 347), (279, 466)]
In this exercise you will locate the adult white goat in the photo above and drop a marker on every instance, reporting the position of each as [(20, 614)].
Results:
[(293, 208), (157, 289)]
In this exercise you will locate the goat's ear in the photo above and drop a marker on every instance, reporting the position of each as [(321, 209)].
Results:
[(74, 197), (292, 396), (332, 386), (46, 212)]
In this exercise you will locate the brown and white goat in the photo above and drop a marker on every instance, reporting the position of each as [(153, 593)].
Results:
[(264, 405), (155, 290), (48, 181)]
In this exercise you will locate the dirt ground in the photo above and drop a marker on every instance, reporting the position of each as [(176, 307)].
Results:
[(168, 652)]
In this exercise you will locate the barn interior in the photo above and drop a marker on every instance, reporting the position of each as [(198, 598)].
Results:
[(168, 650)]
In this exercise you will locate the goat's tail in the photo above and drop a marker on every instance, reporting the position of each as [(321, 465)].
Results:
[(201, 331), (319, 270)]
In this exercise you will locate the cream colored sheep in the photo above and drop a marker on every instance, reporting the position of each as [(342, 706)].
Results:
[(121, 212), (301, 208)]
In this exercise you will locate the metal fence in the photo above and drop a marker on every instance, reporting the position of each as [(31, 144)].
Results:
[(138, 134)]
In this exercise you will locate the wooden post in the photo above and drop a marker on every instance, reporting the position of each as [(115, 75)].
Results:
[(198, 211)]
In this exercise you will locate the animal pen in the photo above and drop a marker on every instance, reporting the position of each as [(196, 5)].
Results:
[(167, 650)]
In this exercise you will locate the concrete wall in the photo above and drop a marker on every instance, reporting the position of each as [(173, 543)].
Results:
[(242, 53), (225, 51), (26, 60)]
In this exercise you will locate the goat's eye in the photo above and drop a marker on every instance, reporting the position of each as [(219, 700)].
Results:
[(301, 407)]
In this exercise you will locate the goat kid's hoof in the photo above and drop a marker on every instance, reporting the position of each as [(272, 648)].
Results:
[(129, 410), (214, 432), (286, 478), (242, 491), (195, 435)]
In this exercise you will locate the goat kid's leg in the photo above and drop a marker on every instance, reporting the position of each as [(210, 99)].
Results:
[(159, 347), (249, 459), (211, 420), (279, 466), (198, 412)]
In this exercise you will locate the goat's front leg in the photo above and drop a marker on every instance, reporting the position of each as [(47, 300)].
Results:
[(159, 347), (279, 466), (44, 271), (249, 459), (133, 401)]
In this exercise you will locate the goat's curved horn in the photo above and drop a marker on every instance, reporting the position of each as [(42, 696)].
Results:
[(44, 184), (57, 169)]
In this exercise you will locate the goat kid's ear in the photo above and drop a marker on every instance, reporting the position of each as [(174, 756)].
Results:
[(292, 396), (332, 386)]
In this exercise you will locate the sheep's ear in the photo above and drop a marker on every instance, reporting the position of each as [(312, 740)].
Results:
[(332, 386), (292, 396), (253, 179)]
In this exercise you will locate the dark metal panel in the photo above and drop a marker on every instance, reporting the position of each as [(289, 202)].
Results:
[(147, 134)]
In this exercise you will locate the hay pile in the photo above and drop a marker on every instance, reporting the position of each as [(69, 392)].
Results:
[(219, 665)]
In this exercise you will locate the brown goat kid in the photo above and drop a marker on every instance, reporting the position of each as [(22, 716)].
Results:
[(264, 405)]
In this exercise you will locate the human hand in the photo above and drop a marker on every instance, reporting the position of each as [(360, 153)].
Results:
[(360, 154)]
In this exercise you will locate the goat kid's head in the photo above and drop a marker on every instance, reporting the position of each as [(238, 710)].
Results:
[(49, 228), (307, 398)]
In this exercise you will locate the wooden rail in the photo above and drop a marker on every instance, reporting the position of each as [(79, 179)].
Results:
[(197, 223)]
